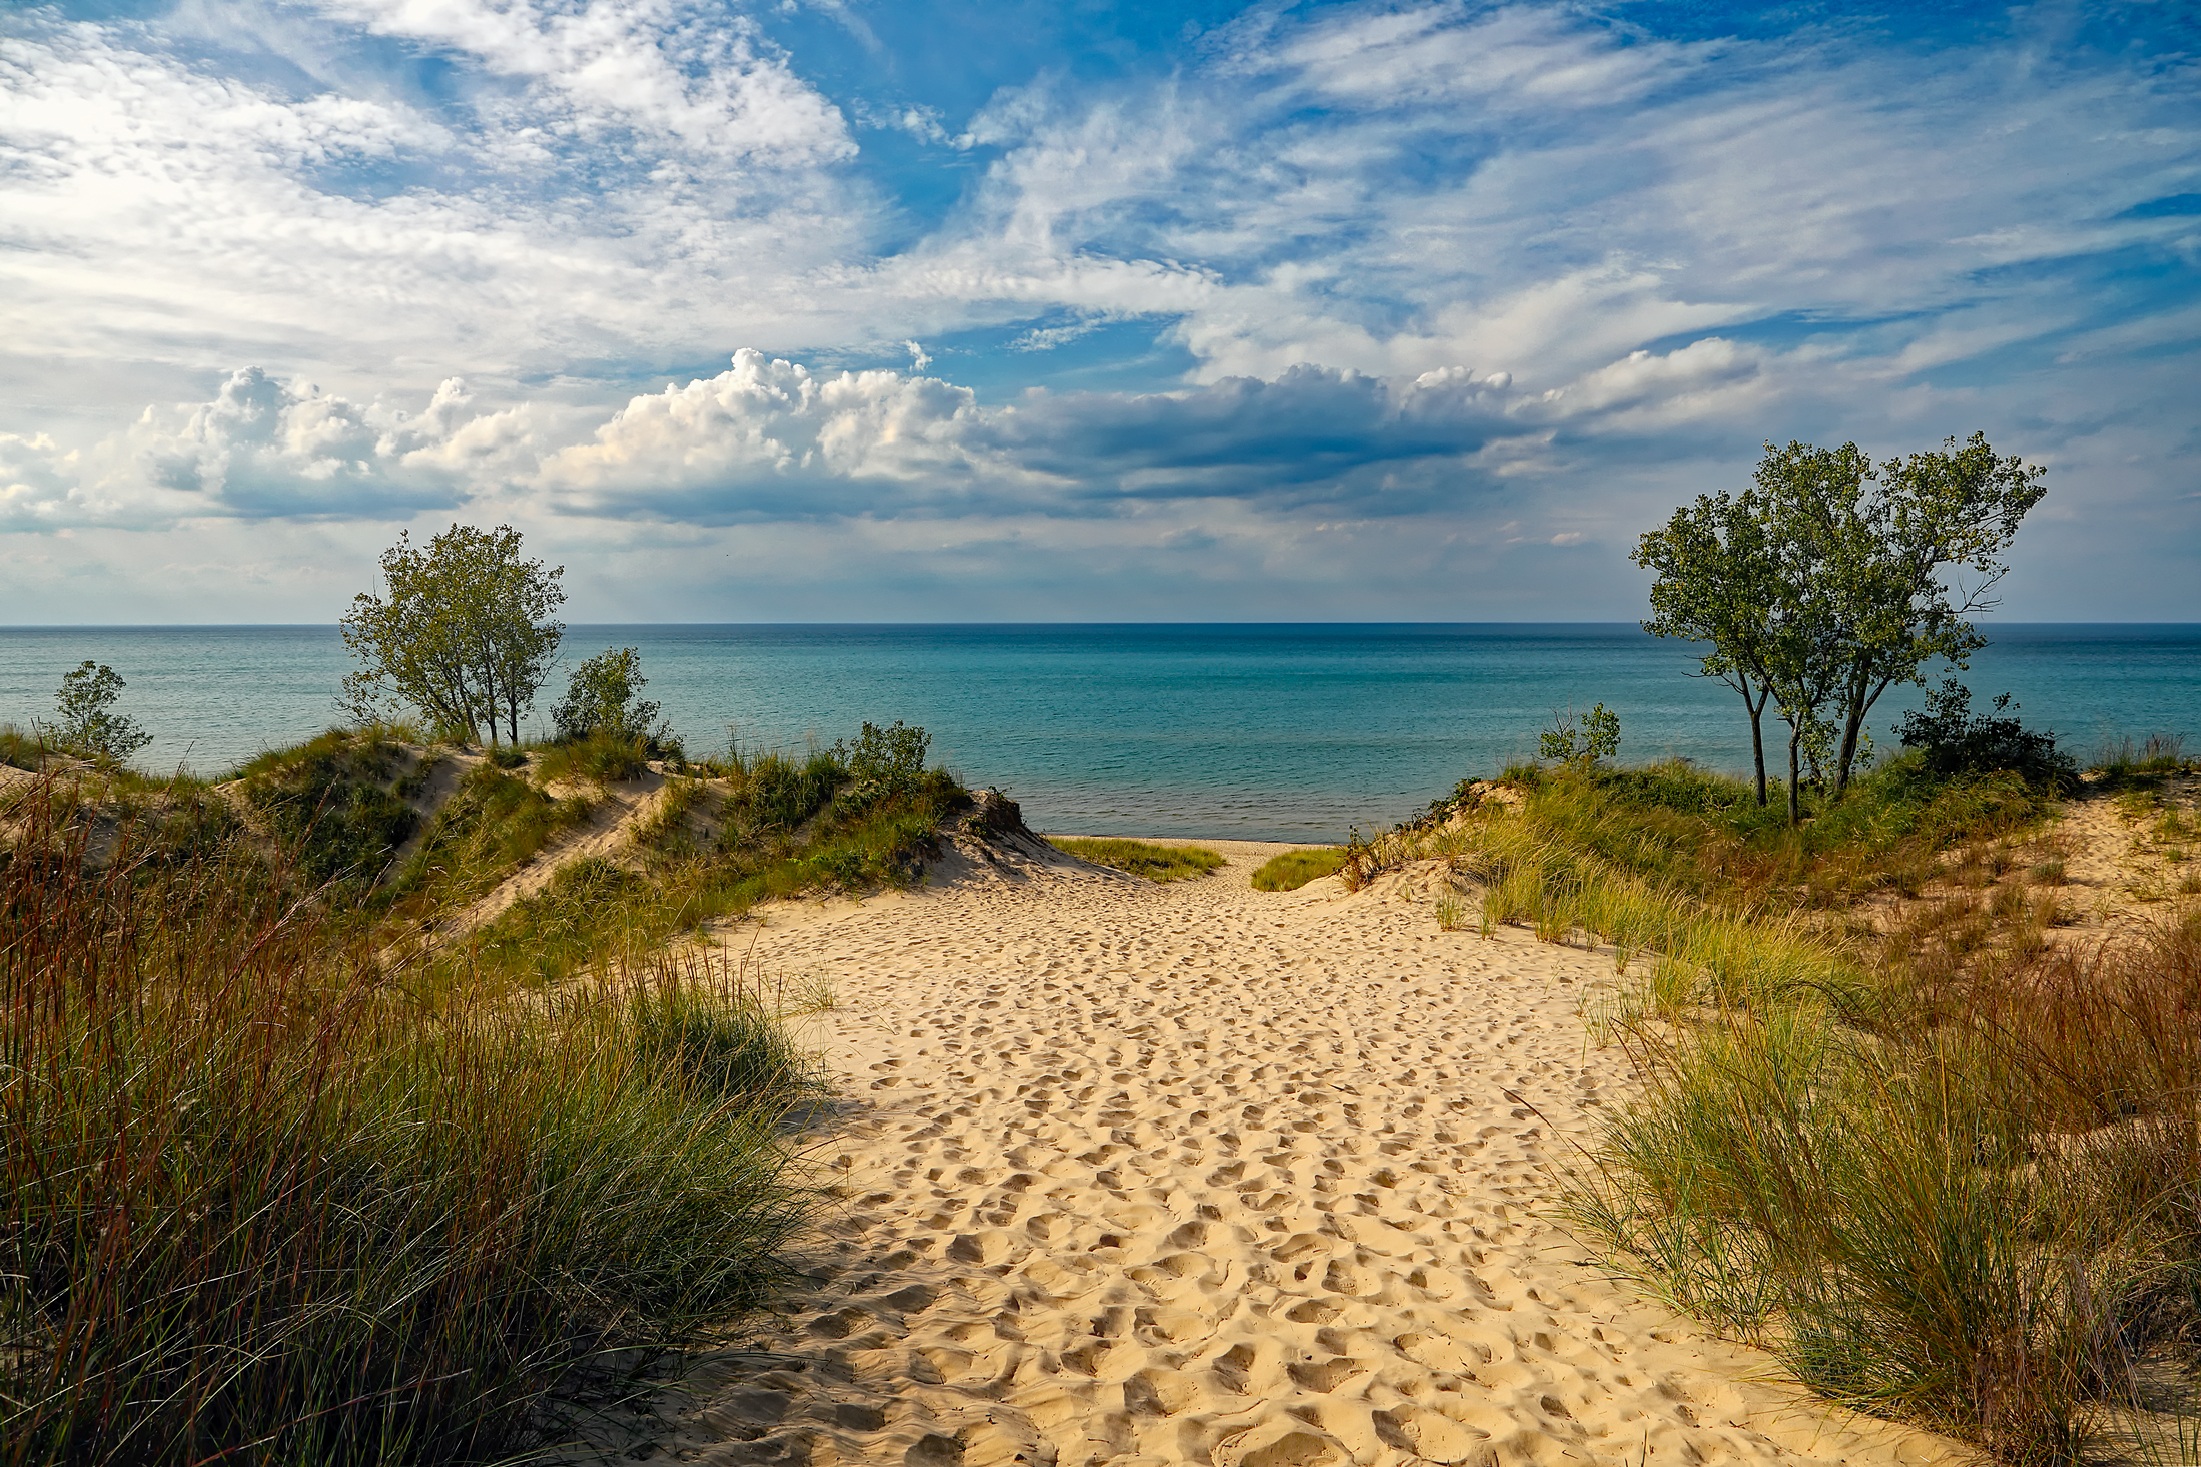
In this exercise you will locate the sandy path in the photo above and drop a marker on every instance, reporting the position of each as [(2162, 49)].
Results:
[(1196, 1174)]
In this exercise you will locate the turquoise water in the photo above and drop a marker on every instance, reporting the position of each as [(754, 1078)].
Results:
[(1259, 732)]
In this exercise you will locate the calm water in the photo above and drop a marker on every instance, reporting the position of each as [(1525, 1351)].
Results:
[(1278, 732)]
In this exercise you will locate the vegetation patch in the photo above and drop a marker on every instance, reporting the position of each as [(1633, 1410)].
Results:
[(1944, 1169), (332, 804), (1295, 869), (347, 1228), (1142, 858)]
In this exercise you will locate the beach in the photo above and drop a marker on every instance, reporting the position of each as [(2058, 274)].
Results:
[(1146, 1174)]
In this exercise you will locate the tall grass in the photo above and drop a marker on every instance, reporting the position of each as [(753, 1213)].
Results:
[(1294, 869), (1141, 858), (1945, 1170), (259, 1205), (2125, 760)]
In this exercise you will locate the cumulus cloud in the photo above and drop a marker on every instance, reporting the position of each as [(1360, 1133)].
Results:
[(769, 439), (272, 449)]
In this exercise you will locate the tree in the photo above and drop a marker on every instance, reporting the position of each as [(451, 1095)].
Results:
[(464, 634), (604, 696), (89, 727), (1716, 583), (1822, 585), (1899, 558)]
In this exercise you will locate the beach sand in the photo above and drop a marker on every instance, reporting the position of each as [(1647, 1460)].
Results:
[(1146, 1174)]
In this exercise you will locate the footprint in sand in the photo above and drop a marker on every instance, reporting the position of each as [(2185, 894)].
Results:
[(1151, 1175)]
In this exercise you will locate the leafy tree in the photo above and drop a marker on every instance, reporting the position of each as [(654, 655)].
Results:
[(885, 761), (1584, 740), (1716, 581), (1829, 580), (89, 725), (604, 696), (1899, 557), (464, 633)]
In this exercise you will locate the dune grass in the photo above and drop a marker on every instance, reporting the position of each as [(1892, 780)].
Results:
[(1944, 1170), (1294, 869), (263, 1205), (1141, 858)]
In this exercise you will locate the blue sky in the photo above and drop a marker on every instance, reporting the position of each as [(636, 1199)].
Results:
[(824, 311)]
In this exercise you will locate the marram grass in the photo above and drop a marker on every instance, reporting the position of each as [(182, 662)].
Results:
[(1141, 858), (1294, 869), (260, 1206)]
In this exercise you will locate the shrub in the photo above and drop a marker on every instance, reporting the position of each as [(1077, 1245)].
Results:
[(604, 697), (1294, 869), (1585, 740), (1954, 741), (883, 763), (89, 726)]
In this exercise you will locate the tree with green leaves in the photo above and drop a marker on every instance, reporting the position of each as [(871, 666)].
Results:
[(1902, 556), (1830, 580), (463, 633), (1716, 583), (89, 726), (604, 695)]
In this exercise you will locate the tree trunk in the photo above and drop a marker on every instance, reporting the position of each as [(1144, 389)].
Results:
[(1757, 741), (1853, 720), (1795, 737)]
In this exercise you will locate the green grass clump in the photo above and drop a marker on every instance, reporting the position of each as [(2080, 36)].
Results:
[(1295, 869), (1141, 858), (332, 804), (259, 1204), (21, 749), (603, 757), (2125, 761)]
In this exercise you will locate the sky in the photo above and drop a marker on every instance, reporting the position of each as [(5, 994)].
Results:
[(1031, 310)]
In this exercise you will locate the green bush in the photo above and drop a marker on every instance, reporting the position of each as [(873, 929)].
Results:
[(604, 697)]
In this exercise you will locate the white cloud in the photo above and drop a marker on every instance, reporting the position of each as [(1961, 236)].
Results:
[(692, 75), (768, 439)]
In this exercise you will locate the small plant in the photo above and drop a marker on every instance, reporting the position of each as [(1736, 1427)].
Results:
[(1581, 740), (884, 763), (89, 727), (604, 697), (1295, 869), (1142, 858), (1451, 913), (2049, 872)]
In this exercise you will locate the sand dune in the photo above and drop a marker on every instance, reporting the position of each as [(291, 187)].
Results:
[(1196, 1174)]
